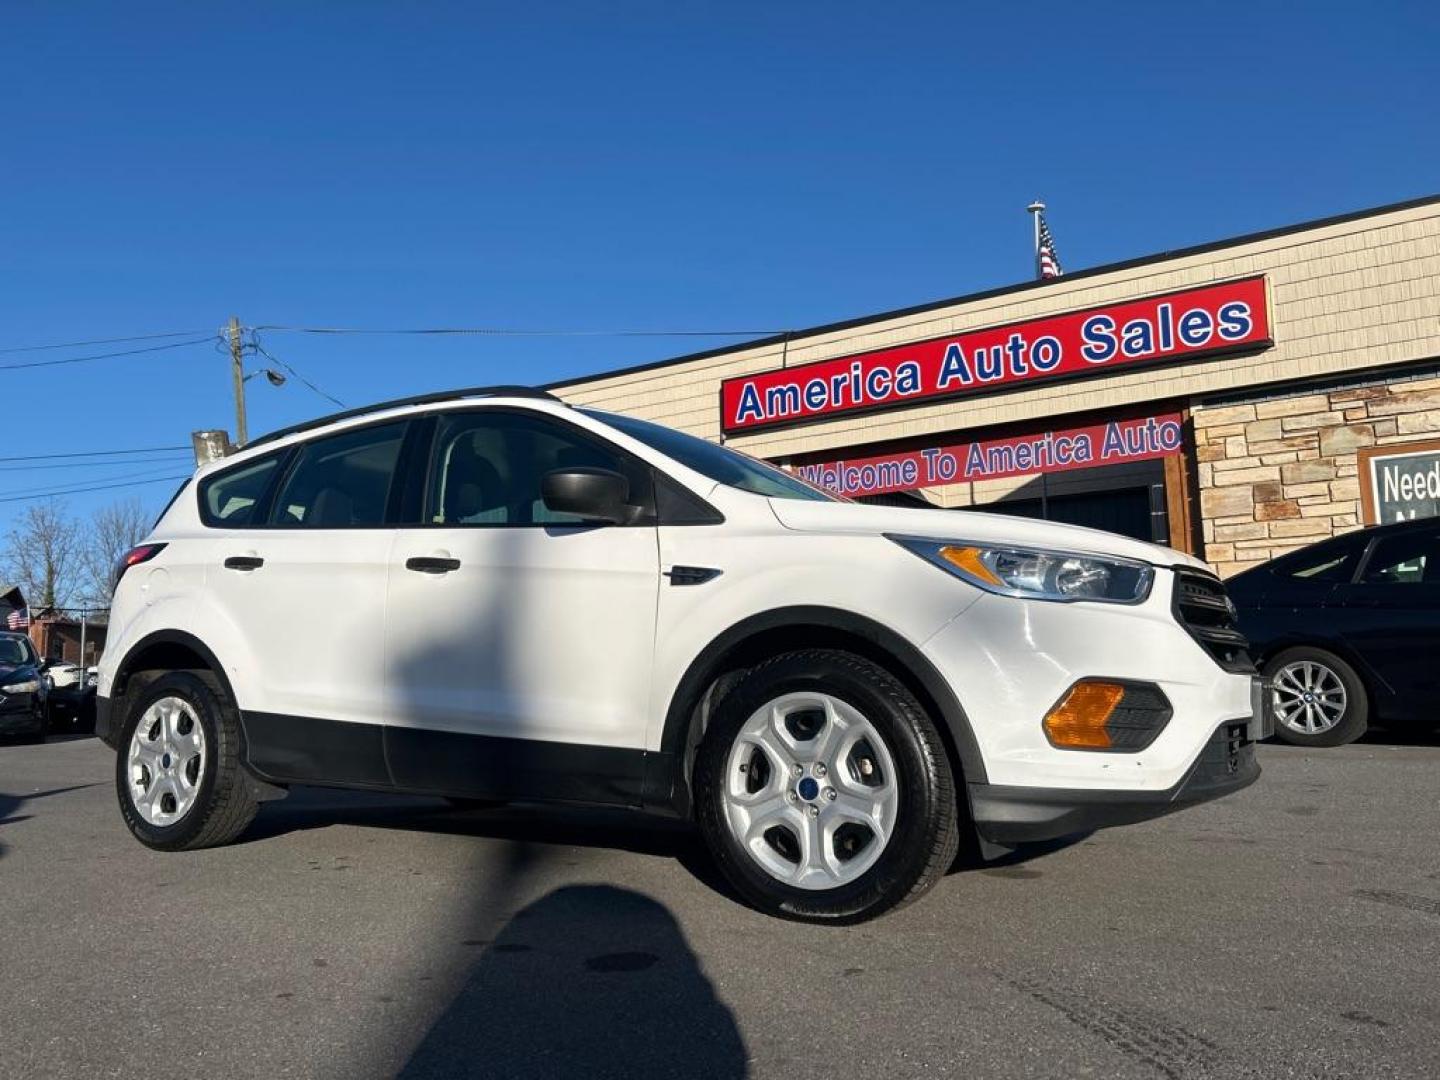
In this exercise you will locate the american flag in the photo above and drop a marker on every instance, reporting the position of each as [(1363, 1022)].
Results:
[(1049, 262), (18, 620)]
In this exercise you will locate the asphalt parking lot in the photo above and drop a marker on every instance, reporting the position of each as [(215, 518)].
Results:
[(1290, 931)]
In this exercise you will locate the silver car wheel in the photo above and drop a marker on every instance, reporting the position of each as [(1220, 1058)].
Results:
[(811, 791), (1310, 697), (167, 761)]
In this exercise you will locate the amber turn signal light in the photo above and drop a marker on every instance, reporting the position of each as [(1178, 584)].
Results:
[(1078, 721), (968, 560)]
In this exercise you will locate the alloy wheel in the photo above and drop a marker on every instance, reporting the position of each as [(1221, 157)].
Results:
[(167, 760), (1310, 697), (811, 791)]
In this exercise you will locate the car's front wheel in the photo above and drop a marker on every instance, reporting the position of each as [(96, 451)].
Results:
[(177, 773), (1319, 698), (824, 791)]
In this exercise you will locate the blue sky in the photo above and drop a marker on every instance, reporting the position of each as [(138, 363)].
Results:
[(662, 166)]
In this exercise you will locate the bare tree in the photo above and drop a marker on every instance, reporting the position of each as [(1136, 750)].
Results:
[(42, 554), (114, 530)]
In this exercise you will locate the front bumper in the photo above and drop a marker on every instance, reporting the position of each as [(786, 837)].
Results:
[(1008, 815), (1010, 660), (22, 714)]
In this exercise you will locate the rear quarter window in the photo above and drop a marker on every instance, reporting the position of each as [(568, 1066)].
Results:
[(230, 499), (1331, 563)]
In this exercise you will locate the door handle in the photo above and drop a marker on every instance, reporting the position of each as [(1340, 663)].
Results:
[(432, 564), (244, 562)]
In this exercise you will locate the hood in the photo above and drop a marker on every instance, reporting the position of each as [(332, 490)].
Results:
[(999, 529)]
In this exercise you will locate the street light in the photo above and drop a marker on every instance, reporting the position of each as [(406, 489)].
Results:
[(273, 377)]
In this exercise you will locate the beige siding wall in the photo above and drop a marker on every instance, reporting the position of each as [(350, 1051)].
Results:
[(1279, 473), (1343, 297)]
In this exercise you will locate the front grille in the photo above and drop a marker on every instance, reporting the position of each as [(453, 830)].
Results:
[(1204, 610)]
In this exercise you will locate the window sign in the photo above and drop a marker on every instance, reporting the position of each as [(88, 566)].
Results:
[(1400, 482), (1044, 452)]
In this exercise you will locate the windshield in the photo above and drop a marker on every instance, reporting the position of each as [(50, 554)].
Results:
[(14, 651), (719, 463)]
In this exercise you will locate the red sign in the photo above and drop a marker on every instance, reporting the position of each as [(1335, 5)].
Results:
[(1176, 326), (1054, 451)]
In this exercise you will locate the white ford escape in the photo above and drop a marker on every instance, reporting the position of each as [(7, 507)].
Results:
[(489, 595)]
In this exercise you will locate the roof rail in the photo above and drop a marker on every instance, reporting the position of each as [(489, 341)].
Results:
[(418, 399)]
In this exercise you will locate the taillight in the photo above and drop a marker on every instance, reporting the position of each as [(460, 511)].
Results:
[(134, 557)]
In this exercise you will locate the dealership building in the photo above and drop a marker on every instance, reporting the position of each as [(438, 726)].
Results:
[(1235, 400)]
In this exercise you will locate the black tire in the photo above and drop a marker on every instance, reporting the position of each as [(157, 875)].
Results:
[(1356, 717), (226, 803), (925, 836)]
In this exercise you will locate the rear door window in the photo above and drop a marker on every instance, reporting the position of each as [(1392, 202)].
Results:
[(341, 482)]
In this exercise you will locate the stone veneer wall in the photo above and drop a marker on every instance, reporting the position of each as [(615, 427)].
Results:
[(1281, 473)]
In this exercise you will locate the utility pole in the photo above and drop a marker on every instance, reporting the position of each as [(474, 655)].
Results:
[(237, 372)]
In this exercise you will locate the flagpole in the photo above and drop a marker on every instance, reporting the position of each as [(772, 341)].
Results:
[(1036, 208)]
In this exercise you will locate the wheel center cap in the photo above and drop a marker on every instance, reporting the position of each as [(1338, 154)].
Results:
[(1309, 697), (808, 788), (165, 762)]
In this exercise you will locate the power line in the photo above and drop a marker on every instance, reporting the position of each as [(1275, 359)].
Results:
[(94, 453), (489, 331), (61, 491), (104, 356), (98, 487), (100, 341), (168, 458), (255, 344)]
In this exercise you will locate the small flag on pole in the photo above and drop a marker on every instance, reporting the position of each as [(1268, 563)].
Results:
[(18, 620), (1047, 262)]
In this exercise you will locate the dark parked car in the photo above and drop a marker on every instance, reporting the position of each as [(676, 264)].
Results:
[(1348, 630), (71, 703), (22, 690)]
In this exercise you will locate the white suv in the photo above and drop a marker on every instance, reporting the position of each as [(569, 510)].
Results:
[(490, 595)]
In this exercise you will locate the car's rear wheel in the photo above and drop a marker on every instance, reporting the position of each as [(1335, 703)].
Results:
[(178, 774), (824, 791), (1319, 698)]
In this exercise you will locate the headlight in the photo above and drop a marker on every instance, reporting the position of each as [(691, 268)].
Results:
[(1037, 574), (28, 686)]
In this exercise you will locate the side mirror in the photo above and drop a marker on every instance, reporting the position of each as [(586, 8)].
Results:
[(596, 495)]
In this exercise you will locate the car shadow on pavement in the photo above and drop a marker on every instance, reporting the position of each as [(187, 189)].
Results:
[(520, 823), (1375, 736), (1400, 736), (589, 980), (10, 803), (557, 826)]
